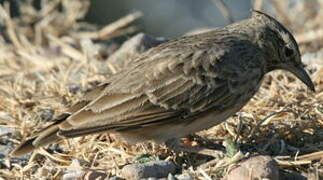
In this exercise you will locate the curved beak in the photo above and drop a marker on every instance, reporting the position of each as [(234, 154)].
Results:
[(302, 75)]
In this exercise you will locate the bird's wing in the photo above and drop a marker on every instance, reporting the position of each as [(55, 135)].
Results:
[(172, 81)]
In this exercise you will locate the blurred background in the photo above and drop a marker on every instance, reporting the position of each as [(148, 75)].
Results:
[(168, 18)]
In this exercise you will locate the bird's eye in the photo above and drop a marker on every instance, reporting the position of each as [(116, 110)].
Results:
[(288, 52)]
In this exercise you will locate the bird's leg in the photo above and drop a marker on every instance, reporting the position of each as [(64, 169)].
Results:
[(178, 145)]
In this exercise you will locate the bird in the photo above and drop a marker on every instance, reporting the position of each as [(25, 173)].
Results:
[(181, 86)]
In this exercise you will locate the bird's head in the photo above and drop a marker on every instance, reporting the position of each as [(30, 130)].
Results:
[(281, 48)]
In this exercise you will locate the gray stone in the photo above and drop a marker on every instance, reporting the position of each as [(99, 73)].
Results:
[(4, 150), (257, 167), (156, 169), (5, 117)]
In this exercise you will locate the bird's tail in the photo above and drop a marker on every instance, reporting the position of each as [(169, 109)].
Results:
[(46, 136)]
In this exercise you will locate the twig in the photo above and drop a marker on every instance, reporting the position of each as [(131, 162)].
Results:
[(204, 174), (225, 11), (266, 121), (10, 27), (43, 152), (221, 163), (292, 163), (66, 49), (112, 30), (300, 160), (239, 128), (257, 4), (311, 156)]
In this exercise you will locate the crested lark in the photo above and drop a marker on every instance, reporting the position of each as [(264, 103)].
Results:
[(181, 86)]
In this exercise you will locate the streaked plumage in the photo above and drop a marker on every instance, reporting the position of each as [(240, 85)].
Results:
[(181, 86)]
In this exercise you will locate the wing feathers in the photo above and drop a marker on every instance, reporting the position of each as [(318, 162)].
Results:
[(156, 94), (95, 92), (110, 101), (47, 136), (87, 117), (133, 123), (182, 88)]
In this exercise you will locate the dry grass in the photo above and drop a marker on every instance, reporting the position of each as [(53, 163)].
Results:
[(43, 67)]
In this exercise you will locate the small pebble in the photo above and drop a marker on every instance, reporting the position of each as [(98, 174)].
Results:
[(5, 150), (47, 114), (115, 178), (94, 175), (6, 130), (254, 168), (171, 177), (4, 116), (74, 171), (74, 88), (184, 177), (153, 178), (156, 169)]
